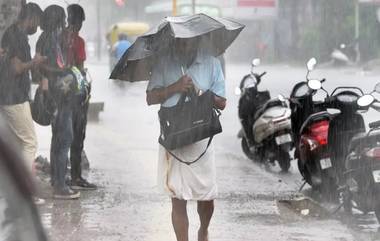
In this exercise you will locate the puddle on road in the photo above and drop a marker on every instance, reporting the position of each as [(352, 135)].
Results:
[(301, 206)]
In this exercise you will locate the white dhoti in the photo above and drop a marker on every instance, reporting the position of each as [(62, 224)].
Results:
[(188, 182)]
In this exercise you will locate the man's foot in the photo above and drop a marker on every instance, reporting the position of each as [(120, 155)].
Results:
[(82, 184), (202, 235), (38, 201), (66, 194)]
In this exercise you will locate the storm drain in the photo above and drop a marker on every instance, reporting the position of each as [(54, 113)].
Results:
[(303, 206)]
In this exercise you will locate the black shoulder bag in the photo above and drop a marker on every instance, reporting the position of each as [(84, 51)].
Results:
[(189, 122), (42, 107)]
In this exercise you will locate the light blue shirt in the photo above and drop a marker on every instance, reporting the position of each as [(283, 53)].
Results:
[(206, 73), (121, 47)]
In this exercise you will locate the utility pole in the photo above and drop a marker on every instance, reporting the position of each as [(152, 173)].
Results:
[(174, 8), (99, 38), (193, 4), (357, 30)]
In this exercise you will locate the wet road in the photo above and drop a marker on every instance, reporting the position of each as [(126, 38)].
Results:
[(122, 149)]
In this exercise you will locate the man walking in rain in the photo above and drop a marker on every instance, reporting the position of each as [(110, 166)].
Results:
[(15, 85), (184, 68)]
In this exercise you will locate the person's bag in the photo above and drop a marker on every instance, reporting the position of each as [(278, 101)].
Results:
[(66, 86), (189, 122), (41, 108), (83, 87)]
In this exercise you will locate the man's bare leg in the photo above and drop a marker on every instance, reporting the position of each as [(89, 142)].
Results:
[(180, 220), (205, 212)]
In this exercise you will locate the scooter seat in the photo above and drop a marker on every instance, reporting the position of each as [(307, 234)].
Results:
[(365, 140), (267, 105)]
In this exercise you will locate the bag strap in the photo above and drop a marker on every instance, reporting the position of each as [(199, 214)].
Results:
[(189, 163)]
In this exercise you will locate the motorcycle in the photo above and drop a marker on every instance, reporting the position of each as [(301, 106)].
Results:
[(362, 165), (310, 127), (266, 124)]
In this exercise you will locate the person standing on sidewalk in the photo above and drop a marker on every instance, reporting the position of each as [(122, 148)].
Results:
[(182, 70), (15, 89), (50, 45), (121, 46), (75, 55)]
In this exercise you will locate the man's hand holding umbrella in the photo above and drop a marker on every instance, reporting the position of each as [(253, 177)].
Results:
[(183, 85)]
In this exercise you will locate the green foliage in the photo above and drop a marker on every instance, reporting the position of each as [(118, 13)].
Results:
[(309, 44), (369, 33), (337, 24)]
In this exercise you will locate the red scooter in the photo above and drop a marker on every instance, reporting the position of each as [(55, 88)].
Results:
[(314, 160), (310, 127)]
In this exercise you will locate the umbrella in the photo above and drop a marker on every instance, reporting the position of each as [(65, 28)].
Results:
[(216, 35)]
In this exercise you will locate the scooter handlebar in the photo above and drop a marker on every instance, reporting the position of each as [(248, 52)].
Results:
[(261, 75), (374, 125)]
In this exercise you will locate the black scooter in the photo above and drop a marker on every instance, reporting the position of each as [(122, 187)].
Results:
[(362, 165), (342, 128), (266, 134), (251, 99)]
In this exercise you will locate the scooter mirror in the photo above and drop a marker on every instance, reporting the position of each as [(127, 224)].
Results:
[(377, 88), (256, 62), (237, 91), (314, 84), (281, 98), (311, 64), (365, 100)]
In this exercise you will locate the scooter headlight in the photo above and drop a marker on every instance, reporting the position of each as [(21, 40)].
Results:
[(347, 98), (249, 82)]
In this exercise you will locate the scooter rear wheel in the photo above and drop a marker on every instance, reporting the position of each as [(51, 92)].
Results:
[(246, 149), (304, 172), (347, 202), (377, 212), (284, 161)]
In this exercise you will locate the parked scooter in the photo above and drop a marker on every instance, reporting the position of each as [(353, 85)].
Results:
[(345, 54), (266, 133), (342, 128), (362, 165), (310, 127)]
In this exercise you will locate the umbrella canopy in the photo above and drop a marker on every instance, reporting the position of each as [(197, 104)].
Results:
[(216, 35)]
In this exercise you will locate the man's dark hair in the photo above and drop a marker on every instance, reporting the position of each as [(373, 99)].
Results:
[(123, 36), (53, 17), (75, 14), (30, 10)]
